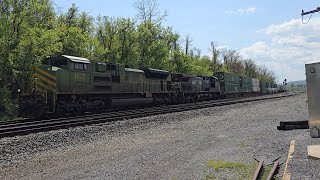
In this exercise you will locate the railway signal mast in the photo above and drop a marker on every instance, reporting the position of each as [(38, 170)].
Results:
[(310, 12), (303, 13)]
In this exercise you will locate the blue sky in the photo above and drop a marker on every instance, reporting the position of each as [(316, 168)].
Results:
[(269, 31)]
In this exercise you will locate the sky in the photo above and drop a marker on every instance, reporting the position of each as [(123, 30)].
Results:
[(269, 31)]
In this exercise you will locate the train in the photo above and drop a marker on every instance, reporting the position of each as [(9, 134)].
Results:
[(68, 84)]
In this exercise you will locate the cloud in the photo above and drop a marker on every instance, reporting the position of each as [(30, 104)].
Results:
[(291, 44), (249, 10), (258, 49), (222, 48)]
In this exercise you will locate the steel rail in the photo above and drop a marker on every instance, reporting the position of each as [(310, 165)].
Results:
[(258, 171), (38, 126), (188, 106), (112, 110), (273, 171)]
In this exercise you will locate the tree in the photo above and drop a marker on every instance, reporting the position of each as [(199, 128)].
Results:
[(106, 34), (233, 61), (76, 32), (26, 36), (148, 10), (153, 45), (250, 68), (30, 30), (215, 53), (188, 44), (127, 37)]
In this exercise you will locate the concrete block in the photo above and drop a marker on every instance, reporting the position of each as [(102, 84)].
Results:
[(314, 151), (314, 132)]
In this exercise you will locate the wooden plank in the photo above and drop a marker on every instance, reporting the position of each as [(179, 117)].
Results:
[(314, 151), (286, 174)]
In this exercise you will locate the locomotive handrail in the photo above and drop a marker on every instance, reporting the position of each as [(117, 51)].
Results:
[(46, 83), (54, 93), (44, 89)]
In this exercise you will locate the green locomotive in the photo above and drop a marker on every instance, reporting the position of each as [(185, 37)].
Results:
[(65, 84), (74, 84)]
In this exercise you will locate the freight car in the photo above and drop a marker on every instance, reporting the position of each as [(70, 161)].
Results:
[(263, 87), (256, 86), (229, 84), (235, 86), (246, 86)]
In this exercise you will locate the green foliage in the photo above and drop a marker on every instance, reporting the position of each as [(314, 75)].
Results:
[(7, 106), (234, 63), (243, 171), (30, 30), (220, 165), (201, 66)]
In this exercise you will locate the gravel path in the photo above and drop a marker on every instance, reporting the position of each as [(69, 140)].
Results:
[(171, 146)]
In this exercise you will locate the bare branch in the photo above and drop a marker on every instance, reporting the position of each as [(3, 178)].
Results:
[(148, 10)]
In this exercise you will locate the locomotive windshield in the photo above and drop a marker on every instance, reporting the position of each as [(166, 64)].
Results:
[(57, 62)]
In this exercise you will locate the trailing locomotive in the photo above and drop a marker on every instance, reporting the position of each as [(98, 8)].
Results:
[(68, 84)]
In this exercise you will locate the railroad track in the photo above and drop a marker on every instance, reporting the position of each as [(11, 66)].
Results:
[(260, 170), (22, 128)]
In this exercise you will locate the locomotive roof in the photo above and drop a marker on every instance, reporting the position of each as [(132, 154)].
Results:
[(183, 75), (77, 59), (134, 70), (157, 71)]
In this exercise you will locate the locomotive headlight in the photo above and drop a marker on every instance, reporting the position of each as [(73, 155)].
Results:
[(19, 90)]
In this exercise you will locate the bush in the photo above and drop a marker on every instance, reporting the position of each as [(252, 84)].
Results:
[(7, 105)]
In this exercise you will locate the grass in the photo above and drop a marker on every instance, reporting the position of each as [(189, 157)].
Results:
[(246, 171), (266, 172), (220, 165), (210, 177), (242, 145)]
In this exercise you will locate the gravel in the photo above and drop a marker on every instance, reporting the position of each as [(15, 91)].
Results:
[(169, 146)]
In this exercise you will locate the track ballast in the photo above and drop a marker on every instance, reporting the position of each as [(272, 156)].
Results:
[(23, 128)]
